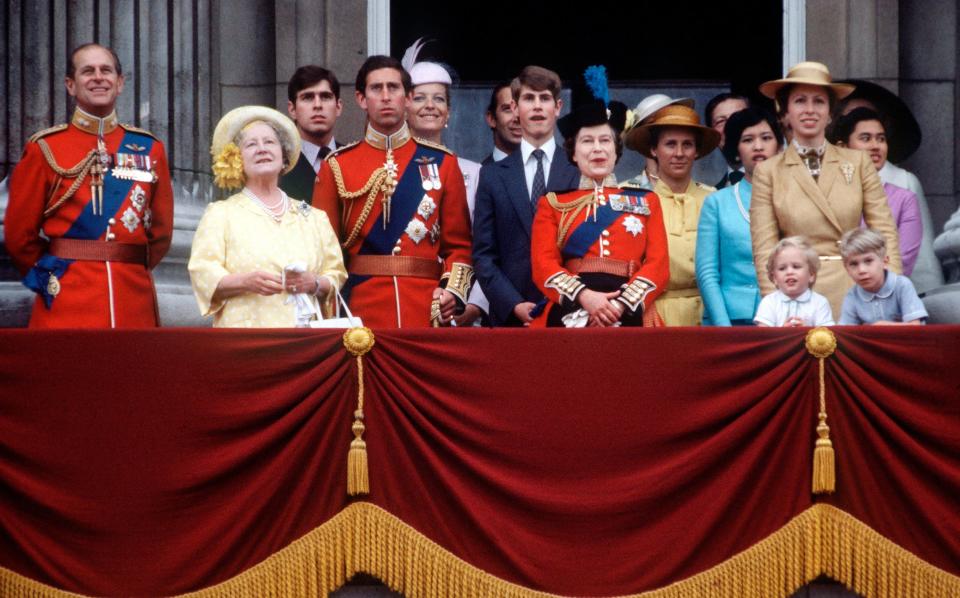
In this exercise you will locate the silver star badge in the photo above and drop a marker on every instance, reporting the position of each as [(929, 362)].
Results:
[(416, 230), (138, 198), (130, 219), (633, 225), (427, 206)]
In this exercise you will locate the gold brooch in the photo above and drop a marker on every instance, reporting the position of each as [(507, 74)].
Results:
[(847, 169)]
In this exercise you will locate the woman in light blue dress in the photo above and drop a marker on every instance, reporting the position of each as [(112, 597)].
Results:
[(724, 257)]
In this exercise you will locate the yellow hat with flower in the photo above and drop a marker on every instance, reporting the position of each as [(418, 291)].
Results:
[(227, 163)]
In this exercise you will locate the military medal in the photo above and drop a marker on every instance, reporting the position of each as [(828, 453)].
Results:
[(130, 219), (138, 197), (416, 230), (633, 225), (53, 285), (133, 167), (425, 180), (427, 206)]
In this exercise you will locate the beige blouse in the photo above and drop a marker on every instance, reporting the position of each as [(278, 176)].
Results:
[(236, 235)]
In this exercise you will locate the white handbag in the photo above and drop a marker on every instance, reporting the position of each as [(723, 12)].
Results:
[(350, 321)]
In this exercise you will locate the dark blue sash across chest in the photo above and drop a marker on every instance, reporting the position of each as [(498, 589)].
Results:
[(586, 234), (403, 205), (89, 226)]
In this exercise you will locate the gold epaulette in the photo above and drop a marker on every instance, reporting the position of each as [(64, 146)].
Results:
[(41, 134), (134, 129), (436, 146), (343, 148)]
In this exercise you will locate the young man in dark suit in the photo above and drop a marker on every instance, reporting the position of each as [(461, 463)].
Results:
[(314, 105), (507, 195)]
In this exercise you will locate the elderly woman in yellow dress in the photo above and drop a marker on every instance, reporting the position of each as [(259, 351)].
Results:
[(814, 188), (260, 258)]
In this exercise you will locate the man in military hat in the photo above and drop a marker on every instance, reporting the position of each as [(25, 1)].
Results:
[(399, 206), (91, 208)]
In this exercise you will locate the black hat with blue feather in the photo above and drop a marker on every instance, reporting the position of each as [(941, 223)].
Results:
[(591, 105)]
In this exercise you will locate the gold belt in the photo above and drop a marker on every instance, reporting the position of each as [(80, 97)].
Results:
[(395, 265)]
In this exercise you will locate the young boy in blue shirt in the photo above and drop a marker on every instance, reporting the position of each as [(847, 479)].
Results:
[(880, 296)]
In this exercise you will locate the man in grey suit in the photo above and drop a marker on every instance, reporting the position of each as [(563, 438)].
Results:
[(507, 196)]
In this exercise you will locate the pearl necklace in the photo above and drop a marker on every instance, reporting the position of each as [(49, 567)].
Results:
[(276, 212)]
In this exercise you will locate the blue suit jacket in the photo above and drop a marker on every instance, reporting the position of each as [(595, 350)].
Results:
[(502, 219), (724, 259)]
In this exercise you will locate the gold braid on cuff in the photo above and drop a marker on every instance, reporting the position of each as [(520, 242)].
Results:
[(633, 294), (567, 285), (459, 280)]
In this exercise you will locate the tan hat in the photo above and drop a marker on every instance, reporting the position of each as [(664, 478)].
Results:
[(227, 131), (807, 73), (639, 138)]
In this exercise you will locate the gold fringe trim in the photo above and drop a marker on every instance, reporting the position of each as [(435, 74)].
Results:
[(823, 540)]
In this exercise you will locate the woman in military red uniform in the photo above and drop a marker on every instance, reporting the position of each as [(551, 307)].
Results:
[(599, 253)]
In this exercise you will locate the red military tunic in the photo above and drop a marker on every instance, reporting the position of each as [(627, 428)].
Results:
[(89, 292), (431, 239), (625, 249)]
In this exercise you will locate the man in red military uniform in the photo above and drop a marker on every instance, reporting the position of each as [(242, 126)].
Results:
[(400, 210), (91, 209)]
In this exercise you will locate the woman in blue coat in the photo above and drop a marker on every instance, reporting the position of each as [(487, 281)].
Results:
[(724, 257)]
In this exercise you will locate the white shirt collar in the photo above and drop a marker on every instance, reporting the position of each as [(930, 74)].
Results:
[(803, 298), (312, 150), (498, 154), (526, 150)]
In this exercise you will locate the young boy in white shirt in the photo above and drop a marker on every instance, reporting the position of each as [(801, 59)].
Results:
[(793, 267)]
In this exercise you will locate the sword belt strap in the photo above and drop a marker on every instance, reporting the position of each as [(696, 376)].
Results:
[(603, 265), (395, 265), (99, 251)]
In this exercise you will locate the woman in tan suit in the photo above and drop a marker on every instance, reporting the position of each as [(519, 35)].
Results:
[(814, 188)]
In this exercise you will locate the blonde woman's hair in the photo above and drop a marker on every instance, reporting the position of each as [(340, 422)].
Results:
[(862, 240), (799, 242)]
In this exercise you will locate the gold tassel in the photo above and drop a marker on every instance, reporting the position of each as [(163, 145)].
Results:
[(358, 341), (821, 343), (824, 474), (358, 478)]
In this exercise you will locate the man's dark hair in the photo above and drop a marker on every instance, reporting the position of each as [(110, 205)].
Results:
[(494, 105), (72, 66), (377, 62), (846, 124), (717, 100), (308, 76), (537, 78), (742, 120)]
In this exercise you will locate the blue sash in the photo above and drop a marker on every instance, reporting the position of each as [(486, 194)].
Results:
[(585, 235), (403, 205), (88, 226)]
